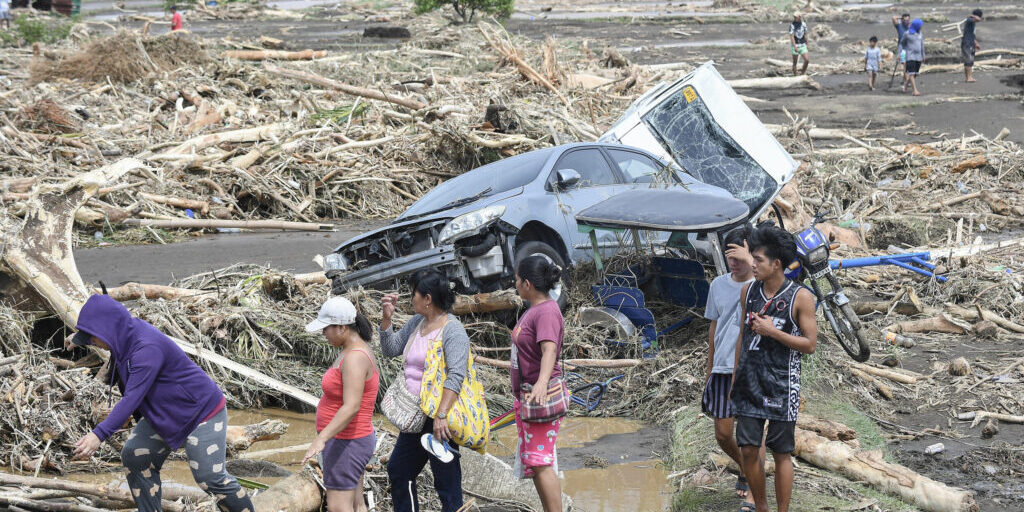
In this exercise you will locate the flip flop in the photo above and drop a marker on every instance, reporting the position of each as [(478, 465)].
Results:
[(437, 448), (748, 507), (741, 484)]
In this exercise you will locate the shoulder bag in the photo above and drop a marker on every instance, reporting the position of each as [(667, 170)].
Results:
[(401, 407)]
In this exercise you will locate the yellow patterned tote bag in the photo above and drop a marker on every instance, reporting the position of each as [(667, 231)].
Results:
[(468, 419)]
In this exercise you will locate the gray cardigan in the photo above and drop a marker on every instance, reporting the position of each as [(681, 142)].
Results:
[(914, 45), (454, 344)]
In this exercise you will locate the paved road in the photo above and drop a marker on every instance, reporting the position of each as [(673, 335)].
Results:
[(162, 264)]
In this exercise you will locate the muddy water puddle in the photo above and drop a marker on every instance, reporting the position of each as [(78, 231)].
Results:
[(622, 473)]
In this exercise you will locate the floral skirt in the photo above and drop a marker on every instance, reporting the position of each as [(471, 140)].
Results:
[(536, 446)]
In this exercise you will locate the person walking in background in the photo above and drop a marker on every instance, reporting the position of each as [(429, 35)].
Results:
[(344, 415), (913, 44), (176, 21), (902, 24), (5, 14), (174, 402), (798, 39), (536, 345), (872, 59), (779, 325), (969, 44), (723, 310), (432, 299)]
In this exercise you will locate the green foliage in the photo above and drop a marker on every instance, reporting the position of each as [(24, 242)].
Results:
[(467, 9), (340, 115), (38, 29)]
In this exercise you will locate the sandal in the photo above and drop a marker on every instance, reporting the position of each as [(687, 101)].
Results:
[(748, 507), (741, 485)]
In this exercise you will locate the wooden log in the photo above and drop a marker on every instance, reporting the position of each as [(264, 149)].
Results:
[(938, 323), (978, 64), (240, 438), (831, 430), (487, 302), (345, 88), (973, 162), (869, 467), (904, 377), (297, 493), (883, 389), (110, 492), (978, 416), (46, 506), (218, 223), (1001, 206), (775, 82), (275, 54), (202, 207), (136, 291), (195, 144), (882, 306)]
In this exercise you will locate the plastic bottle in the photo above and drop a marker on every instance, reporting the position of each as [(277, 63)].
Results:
[(898, 339), (935, 449), (962, 188), (884, 182)]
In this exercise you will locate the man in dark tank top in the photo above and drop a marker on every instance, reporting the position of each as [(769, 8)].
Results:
[(779, 326)]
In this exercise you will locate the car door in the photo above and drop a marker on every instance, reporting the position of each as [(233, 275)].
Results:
[(599, 180)]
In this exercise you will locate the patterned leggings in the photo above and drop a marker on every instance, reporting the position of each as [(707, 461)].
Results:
[(145, 451)]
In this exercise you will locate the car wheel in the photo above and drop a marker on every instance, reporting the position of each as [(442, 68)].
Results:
[(560, 292)]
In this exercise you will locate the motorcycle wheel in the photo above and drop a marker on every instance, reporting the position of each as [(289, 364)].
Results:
[(848, 332)]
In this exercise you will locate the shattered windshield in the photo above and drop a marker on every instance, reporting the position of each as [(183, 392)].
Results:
[(494, 178), (706, 151)]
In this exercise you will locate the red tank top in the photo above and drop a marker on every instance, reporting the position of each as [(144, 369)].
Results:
[(332, 400)]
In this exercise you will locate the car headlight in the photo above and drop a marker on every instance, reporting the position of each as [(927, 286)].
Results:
[(468, 224), (335, 261), (818, 255)]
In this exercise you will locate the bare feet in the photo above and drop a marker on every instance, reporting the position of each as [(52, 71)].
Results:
[(971, 80), (917, 93)]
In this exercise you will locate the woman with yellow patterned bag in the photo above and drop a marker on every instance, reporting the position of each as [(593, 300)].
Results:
[(438, 370)]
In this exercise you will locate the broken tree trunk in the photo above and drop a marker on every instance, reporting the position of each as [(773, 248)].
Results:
[(883, 389), (487, 302), (275, 54), (297, 493), (775, 82), (201, 142), (345, 88), (893, 375), (882, 306), (870, 468), (241, 438), (202, 207)]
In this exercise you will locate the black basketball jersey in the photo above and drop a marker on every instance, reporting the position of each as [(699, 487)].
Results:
[(768, 375)]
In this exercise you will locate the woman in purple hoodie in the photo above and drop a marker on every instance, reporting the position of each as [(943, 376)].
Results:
[(174, 402)]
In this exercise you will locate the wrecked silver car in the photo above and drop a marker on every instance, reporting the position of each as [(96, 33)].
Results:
[(475, 227)]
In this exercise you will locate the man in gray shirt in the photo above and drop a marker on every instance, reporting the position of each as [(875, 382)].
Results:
[(723, 309), (969, 44)]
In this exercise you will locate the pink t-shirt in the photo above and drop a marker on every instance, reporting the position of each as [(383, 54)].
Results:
[(176, 21), (416, 359), (540, 323)]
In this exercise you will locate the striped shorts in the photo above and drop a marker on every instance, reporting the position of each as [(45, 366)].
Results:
[(715, 402)]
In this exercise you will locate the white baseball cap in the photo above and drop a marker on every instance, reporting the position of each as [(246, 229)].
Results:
[(336, 310)]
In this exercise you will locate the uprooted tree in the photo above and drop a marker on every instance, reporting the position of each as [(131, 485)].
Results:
[(466, 9)]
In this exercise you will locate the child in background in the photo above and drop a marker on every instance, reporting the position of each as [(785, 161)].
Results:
[(872, 59), (176, 22), (5, 14), (913, 43)]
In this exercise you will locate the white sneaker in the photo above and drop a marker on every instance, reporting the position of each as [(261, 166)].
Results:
[(437, 448)]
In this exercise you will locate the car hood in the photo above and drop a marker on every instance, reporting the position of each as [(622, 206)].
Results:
[(451, 213), (704, 126), (670, 209)]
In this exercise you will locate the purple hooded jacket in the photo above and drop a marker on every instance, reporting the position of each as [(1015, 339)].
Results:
[(159, 379)]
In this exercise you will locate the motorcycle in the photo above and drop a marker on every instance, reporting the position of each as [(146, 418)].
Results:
[(813, 270)]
